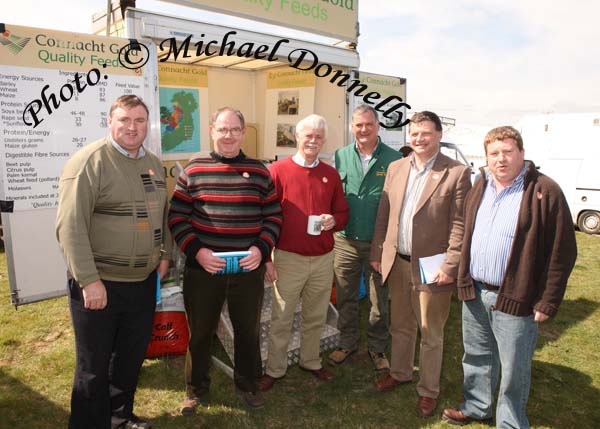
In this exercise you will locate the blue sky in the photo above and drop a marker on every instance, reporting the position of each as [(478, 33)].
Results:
[(486, 62)]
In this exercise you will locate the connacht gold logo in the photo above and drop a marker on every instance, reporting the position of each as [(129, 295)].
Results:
[(14, 43)]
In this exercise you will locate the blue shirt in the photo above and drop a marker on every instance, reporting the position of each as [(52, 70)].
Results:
[(494, 231)]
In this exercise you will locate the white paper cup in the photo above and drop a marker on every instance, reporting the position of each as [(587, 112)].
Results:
[(314, 225)]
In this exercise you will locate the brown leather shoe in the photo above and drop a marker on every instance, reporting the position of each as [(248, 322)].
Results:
[(321, 373), (266, 382), (426, 406), (388, 383), (189, 405), (252, 399), (457, 417)]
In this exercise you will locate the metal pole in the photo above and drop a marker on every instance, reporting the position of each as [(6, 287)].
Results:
[(108, 16)]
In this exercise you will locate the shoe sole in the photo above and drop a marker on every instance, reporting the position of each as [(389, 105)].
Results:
[(253, 407), (188, 411), (390, 389), (271, 386), (336, 362), (425, 416), (447, 419), (324, 380)]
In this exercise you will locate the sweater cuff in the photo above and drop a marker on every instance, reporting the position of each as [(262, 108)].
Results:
[(465, 293), (547, 309), (265, 250), (87, 280), (192, 249)]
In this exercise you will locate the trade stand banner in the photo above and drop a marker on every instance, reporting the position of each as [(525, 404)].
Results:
[(333, 18)]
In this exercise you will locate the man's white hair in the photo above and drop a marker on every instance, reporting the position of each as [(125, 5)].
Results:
[(315, 122)]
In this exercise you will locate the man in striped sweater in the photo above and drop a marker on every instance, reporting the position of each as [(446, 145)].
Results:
[(224, 202)]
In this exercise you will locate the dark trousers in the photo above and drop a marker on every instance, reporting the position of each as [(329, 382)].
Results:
[(204, 295), (110, 346)]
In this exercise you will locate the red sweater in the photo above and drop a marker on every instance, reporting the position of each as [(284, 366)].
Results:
[(305, 191)]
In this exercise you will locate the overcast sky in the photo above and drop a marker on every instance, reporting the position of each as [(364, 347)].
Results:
[(486, 62)]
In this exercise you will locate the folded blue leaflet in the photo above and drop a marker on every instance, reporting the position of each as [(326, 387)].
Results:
[(232, 260)]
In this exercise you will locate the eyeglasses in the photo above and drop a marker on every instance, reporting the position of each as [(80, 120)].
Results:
[(235, 132)]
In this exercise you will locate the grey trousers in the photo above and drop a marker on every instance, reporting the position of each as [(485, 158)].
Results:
[(351, 256)]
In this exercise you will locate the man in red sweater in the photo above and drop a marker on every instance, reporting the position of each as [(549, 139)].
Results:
[(302, 267)]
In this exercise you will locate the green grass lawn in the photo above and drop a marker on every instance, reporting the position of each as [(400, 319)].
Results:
[(37, 359)]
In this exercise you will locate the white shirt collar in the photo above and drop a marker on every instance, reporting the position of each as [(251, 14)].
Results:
[(298, 159)]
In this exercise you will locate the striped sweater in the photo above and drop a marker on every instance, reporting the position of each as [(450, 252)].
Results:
[(111, 219), (224, 204)]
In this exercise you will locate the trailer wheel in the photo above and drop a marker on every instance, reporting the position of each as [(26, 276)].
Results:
[(589, 222)]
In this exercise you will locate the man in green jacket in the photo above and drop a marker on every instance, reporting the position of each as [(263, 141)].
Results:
[(362, 168)]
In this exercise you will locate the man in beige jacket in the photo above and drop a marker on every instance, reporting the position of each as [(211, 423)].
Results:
[(420, 214)]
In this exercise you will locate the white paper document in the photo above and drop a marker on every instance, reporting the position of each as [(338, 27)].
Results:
[(429, 266)]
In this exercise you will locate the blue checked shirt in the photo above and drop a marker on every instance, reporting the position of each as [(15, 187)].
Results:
[(494, 232)]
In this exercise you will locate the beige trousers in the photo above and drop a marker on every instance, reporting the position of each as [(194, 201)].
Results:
[(413, 310), (306, 278)]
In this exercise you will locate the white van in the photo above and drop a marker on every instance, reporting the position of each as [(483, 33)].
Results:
[(566, 147)]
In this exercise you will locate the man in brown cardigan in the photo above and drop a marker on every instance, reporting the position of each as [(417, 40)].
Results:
[(518, 252), (420, 215)]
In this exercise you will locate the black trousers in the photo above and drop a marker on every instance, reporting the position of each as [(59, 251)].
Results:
[(110, 348), (204, 295)]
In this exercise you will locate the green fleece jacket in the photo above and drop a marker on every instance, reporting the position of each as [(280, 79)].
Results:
[(111, 222), (363, 191)]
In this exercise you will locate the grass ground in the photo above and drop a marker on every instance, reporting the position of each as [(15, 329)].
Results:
[(37, 359)]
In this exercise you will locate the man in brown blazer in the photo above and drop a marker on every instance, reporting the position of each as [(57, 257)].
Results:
[(420, 214)]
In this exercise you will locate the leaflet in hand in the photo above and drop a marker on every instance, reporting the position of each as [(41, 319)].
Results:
[(429, 266), (233, 262)]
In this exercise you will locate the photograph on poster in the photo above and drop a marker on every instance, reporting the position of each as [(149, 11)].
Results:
[(288, 102), (393, 119), (285, 135)]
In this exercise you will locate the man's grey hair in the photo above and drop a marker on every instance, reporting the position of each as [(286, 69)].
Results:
[(313, 121), (364, 108)]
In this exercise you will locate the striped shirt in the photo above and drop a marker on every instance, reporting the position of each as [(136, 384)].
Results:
[(225, 204), (414, 189), (495, 226)]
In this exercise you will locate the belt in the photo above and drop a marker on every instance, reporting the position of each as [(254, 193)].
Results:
[(488, 286), (405, 257)]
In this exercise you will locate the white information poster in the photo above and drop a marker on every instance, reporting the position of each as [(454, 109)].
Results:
[(392, 89), (55, 92)]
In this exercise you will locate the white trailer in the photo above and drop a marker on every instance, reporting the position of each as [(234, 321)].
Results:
[(566, 147)]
